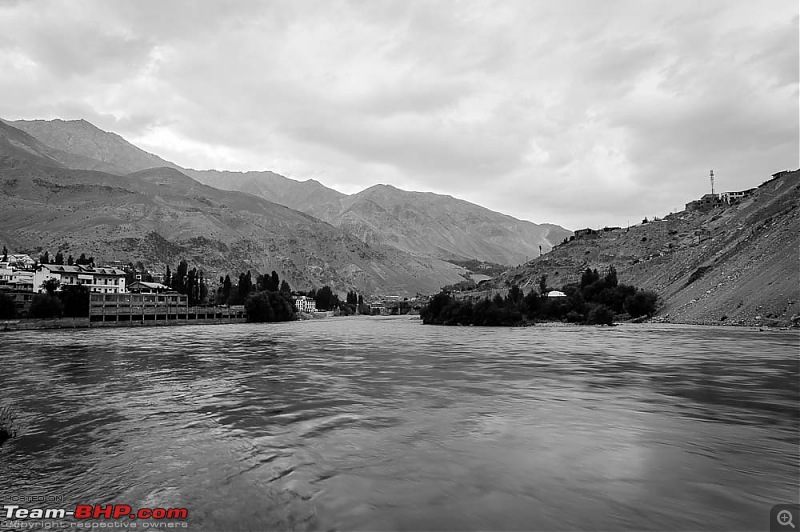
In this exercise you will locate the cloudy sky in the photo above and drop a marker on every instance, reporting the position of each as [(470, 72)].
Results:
[(581, 113)]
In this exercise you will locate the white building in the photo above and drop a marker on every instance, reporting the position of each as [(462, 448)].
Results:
[(556, 293), (305, 304), (100, 280), (21, 261)]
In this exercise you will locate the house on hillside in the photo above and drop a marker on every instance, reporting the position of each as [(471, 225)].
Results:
[(706, 203), (583, 232), (734, 197), (99, 280)]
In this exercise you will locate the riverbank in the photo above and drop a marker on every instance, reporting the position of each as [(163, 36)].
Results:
[(85, 323)]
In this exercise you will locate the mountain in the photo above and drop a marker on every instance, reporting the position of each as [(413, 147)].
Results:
[(736, 264), (430, 224), (160, 215), (424, 224), (93, 148), (300, 195)]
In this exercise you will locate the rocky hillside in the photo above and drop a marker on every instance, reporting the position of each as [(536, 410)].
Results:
[(300, 195), (736, 264), (88, 147), (161, 215), (425, 224), (430, 224)]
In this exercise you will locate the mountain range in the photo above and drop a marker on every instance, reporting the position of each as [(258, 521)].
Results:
[(69, 185)]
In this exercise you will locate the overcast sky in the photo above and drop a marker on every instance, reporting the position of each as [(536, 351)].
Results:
[(580, 113)]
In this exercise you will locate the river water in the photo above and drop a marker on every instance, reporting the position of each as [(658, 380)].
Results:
[(388, 424)]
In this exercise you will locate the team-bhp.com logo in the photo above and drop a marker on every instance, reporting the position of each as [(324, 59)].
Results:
[(94, 511)]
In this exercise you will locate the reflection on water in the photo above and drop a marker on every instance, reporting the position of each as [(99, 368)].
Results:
[(386, 424)]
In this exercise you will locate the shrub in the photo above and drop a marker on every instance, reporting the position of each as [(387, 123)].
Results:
[(642, 303), (600, 315)]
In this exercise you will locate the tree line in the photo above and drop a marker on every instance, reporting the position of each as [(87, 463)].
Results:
[(595, 299), (71, 301)]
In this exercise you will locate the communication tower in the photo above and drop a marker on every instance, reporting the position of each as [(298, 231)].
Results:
[(711, 174)]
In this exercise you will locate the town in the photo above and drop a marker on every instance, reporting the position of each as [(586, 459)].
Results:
[(78, 293)]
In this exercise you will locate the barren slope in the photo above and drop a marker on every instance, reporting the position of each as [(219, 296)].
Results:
[(160, 215), (735, 264), (430, 224)]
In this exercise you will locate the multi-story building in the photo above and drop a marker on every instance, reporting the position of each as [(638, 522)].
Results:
[(733, 197), (21, 261), (305, 304), (99, 280)]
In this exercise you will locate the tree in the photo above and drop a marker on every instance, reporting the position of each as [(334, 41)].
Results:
[(70, 260), (325, 298), (59, 258), (352, 298), (515, 295), (168, 277), (179, 280), (285, 288), (275, 282), (75, 299), (642, 303), (589, 277), (600, 315), (8, 307), (244, 287), (264, 306), (5, 254), (202, 289), (543, 284), (50, 286), (226, 289), (191, 279), (46, 306), (611, 277), (45, 258), (258, 308)]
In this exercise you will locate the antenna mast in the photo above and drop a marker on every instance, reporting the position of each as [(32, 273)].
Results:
[(711, 174)]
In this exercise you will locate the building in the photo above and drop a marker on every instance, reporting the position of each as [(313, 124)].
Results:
[(99, 280), (14, 279), (142, 287), (305, 304), (707, 202), (22, 299), (734, 197), (21, 261), (556, 293)]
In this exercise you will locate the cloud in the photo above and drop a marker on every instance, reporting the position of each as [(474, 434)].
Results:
[(577, 112)]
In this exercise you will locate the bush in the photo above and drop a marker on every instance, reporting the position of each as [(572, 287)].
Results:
[(642, 303), (46, 306), (8, 307), (600, 315)]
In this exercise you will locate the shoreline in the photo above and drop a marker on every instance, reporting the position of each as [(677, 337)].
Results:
[(84, 323)]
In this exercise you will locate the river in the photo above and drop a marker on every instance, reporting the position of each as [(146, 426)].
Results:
[(388, 424)]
